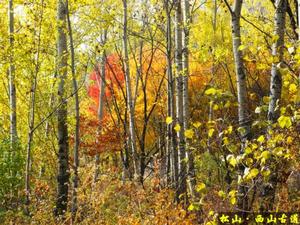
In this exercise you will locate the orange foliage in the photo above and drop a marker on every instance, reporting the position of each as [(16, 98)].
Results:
[(114, 78)]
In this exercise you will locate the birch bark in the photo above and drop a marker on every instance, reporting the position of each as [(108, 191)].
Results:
[(12, 86), (179, 98), (132, 138), (244, 122), (277, 53)]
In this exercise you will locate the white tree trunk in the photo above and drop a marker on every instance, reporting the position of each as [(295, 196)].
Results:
[(101, 102), (12, 87), (132, 138), (32, 112), (277, 52), (191, 176), (243, 115), (172, 153), (179, 97), (298, 93)]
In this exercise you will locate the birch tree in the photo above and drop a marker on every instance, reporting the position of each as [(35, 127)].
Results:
[(243, 116), (77, 116), (101, 83), (62, 129), (179, 98), (11, 71), (132, 138), (277, 53), (32, 107), (186, 117), (172, 153), (297, 5), (269, 188)]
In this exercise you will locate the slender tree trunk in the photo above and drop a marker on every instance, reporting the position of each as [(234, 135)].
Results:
[(297, 6), (77, 117), (191, 175), (277, 52), (132, 142), (32, 115), (269, 188), (63, 145), (102, 82), (12, 86), (172, 153), (243, 115), (179, 98)]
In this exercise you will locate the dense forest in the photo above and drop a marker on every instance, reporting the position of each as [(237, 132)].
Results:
[(149, 111)]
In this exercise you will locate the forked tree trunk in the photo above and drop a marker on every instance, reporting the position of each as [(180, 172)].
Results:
[(62, 129)]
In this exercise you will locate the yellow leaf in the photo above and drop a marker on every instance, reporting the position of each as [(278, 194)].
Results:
[(189, 133), (293, 88), (200, 187), (197, 124), (289, 140), (191, 207), (177, 127), (232, 160), (266, 172), (233, 200), (216, 107), (227, 104), (253, 172), (265, 154), (229, 129), (266, 99), (225, 140), (169, 120), (222, 194), (211, 91), (261, 139), (242, 47), (284, 121), (211, 132)]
